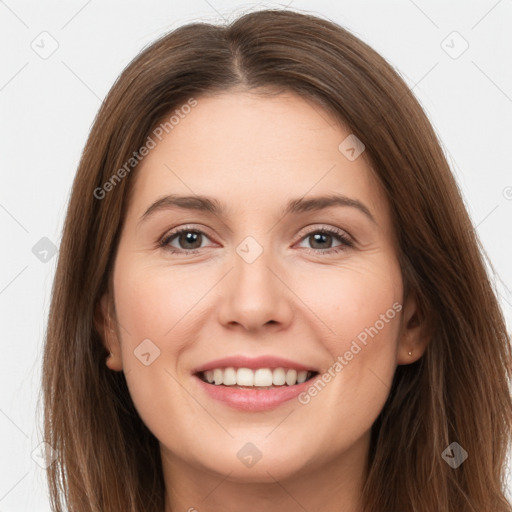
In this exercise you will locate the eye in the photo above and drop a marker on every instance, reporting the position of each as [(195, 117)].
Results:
[(320, 238), (189, 240)]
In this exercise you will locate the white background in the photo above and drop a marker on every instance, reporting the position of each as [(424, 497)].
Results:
[(47, 107)]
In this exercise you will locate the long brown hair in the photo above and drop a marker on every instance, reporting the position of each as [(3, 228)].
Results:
[(457, 392)]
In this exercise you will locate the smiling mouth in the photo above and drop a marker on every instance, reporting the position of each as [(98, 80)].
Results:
[(261, 378)]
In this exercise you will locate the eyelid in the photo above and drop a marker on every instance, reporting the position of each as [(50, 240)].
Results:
[(163, 240), (347, 241), (313, 228)]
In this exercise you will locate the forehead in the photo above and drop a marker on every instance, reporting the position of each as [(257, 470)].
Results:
[(252, 152)]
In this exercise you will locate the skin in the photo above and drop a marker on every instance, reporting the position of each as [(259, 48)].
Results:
[(254, 154)]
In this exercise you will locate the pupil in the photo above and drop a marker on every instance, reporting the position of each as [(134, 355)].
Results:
[(318, 238), (192, 237), (189, 238)]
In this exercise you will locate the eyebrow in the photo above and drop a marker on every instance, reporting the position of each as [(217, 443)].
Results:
[(294, 206)]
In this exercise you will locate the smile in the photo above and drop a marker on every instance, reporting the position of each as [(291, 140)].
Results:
[(261, 378)]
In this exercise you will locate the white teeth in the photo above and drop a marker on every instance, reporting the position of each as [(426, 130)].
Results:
[(218, 376), (262, 377), (302, 376), (278, 377), (245, 377), (291, 377), (229, 378)]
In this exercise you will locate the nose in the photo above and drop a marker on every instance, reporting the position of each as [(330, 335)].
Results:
[(255, 295)]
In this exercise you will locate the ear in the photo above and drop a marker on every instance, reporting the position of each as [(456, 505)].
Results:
[(413, 336), (106, 325)]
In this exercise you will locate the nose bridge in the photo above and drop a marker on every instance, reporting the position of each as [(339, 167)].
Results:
[(252, 275), (254, 295)]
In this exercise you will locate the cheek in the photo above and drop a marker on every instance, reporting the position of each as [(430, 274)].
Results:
[(149, 307), (360, 308), (356, 298), (152, 302)]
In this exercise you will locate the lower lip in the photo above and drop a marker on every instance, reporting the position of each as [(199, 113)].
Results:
[(253, 399)]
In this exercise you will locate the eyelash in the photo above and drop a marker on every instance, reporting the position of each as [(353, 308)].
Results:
[(346, 241)]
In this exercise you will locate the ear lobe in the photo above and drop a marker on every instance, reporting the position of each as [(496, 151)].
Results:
[(104, 326), (413, 338)]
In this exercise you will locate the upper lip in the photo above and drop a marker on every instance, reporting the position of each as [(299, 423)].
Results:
[(254, 363)]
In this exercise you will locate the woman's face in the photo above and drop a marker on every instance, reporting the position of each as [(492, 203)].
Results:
[(268, 280)]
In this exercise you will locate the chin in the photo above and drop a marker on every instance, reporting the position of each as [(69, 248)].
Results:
[(245, 462)]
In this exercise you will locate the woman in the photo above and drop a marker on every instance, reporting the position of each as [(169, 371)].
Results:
[(258, 368)]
